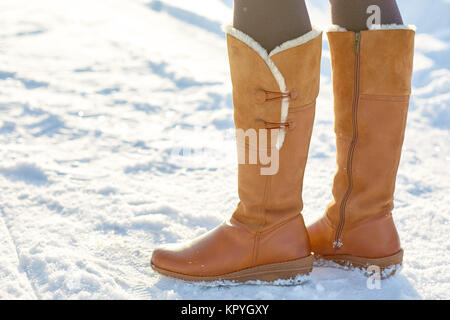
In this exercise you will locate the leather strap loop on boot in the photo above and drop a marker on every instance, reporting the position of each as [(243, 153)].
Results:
[(262, 96), (277, 125)]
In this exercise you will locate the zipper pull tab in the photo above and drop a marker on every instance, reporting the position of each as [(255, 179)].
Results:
[(337, 244), (357, 42)]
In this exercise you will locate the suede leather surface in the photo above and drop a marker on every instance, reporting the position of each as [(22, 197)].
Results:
[(301, 70), (381, 122), (389, 71), (343, 66), (267, 226), (266, 200), (250, 74), (385, 69)]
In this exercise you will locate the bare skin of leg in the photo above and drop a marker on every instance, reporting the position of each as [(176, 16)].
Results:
[(352, 14), (271, 22)]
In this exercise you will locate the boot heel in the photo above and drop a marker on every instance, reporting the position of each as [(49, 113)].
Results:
[(388, 266)]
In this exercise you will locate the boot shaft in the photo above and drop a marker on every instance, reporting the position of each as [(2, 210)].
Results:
[(371, 83), (273, 93)]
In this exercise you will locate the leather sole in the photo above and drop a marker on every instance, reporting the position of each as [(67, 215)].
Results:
[(267, 272), (388, 265)]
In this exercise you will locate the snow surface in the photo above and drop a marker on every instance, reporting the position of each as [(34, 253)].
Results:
[(116, 135)]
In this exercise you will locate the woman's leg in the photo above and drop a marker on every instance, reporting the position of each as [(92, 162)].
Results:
[(271, 22), (352, 14)]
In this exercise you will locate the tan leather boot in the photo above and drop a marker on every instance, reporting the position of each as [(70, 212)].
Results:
[(266, 238), (371, 84)]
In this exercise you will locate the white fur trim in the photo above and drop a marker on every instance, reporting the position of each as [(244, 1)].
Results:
[(336, 28), (392, 27), (229, 29), (315, 32)]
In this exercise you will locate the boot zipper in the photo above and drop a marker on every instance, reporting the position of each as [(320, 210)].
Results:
[(337, 240), (357, 43)]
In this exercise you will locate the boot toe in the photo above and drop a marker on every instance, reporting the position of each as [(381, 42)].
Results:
[(165, 258)]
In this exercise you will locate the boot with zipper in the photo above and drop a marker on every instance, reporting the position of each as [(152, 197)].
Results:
[(274, 104), (371, 84)]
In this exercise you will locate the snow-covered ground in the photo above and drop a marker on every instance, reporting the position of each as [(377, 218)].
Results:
[(116, 135)]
